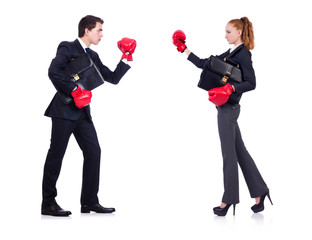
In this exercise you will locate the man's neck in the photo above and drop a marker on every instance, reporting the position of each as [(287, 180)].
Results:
[(85, 41)]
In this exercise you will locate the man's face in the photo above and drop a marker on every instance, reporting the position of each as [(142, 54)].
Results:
[(94, 35)]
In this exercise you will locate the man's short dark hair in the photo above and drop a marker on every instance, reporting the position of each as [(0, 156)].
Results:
[(89, 22)]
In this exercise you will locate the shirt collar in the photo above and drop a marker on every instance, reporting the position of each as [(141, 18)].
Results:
[(232, 49), (84, 46)]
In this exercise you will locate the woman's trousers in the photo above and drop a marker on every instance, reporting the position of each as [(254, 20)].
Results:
[(234, 152)]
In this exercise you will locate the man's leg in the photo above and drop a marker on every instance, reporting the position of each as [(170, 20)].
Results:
[(61, 131), (86, 137)]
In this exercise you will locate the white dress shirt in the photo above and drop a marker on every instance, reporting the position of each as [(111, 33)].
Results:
[(232, 49), (84, 46)]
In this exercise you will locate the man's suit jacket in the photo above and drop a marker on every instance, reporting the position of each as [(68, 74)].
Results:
[(66, 51), (242, 56)]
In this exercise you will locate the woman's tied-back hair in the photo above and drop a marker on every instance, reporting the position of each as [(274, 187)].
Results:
[(247, 31), (89, 22)]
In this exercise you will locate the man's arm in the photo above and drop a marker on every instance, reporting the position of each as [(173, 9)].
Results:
[(111, 76), (57, 70)]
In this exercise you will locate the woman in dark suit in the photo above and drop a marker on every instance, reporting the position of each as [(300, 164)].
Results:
[(239, 32)]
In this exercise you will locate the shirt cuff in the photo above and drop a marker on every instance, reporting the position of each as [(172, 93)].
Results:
[(126, 61)]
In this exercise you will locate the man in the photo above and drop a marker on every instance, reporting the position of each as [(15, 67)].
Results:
[(75, 118)]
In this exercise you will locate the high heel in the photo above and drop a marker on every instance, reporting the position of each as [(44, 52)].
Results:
[(260, 206), (223, 211)]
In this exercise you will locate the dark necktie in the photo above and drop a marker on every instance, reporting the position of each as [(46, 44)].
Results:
[(88, 51)]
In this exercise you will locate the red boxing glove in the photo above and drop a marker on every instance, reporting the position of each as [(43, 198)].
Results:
[(127, 45), (81, 97), (220, 95), (178, 39)]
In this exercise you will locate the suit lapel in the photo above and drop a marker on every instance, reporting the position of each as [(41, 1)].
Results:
[(79, 47), (236, 50)]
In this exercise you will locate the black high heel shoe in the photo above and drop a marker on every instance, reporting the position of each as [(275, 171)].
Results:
[(223, 211), (260, 206)]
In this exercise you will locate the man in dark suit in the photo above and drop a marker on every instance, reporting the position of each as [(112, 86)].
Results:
[(75, 118)]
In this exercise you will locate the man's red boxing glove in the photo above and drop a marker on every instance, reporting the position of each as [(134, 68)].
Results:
[(127, 45), (178, 39), (220, 95), (81, 97)]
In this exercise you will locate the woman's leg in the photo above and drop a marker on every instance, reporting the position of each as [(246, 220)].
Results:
[(227, 123), (256, 185)]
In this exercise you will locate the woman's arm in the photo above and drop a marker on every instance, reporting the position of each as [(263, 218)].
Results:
[(198, 62), (245, 63)]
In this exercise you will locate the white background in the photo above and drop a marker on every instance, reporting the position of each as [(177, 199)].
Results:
[(161, 159)]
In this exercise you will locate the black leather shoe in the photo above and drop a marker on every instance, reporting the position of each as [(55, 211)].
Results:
[(55, 210), (96, 208)]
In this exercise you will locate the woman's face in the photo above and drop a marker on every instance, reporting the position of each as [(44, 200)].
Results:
[(232, 35)]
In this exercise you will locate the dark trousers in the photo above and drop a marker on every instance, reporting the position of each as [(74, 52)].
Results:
[(85, 134), (233, 152)]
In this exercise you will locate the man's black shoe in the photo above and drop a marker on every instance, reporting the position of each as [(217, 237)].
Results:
[(96, 208), (55, 210)]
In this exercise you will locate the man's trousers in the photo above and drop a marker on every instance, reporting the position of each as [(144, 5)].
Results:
[(85, 134)]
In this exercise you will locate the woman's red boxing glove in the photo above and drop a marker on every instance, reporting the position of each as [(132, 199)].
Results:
[(178, 39), (220, 95)]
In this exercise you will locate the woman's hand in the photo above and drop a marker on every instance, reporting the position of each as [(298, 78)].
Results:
[(187, 52)]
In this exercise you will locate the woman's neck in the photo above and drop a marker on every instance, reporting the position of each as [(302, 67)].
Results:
[(239, 42)]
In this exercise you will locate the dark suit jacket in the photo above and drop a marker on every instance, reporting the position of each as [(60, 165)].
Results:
[(242, 56), (65, 52)]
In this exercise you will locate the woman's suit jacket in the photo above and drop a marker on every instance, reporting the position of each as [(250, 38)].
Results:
[(65, 52), (242, 56)]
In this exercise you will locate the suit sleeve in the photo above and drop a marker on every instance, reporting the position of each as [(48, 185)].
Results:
[(198, 62), (111, 76), (249, 78), (57, 74)]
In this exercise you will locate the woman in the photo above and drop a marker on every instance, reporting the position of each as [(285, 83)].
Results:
[(239, 32)]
